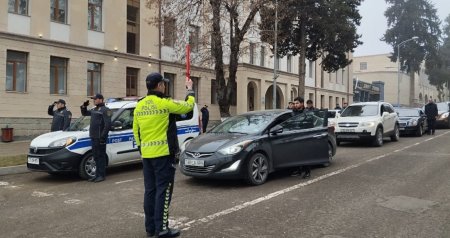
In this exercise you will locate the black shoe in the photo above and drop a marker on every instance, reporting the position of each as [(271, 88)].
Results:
[(99, 179), (170, 232), (296, 173), (150, 234), (307, 175), (92, 179)]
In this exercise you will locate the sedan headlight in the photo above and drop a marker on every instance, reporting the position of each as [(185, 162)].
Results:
[(444, 115), (63, 142), (184, 145), (236, 148), (368, 123), (412, 122)]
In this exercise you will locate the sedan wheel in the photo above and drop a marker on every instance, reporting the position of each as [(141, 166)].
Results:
[(257, 169), (87, 167), (330, 155), (419, 131)]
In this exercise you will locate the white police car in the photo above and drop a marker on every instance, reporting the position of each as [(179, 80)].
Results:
[(70, 150)]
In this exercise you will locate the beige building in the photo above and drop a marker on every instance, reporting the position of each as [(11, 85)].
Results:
[(74, 49), (374, 68)]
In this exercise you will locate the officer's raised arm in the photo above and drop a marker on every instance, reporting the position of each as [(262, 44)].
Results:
[(84, 110)]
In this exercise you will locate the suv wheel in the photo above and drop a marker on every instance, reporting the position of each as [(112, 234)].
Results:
[(396, 135), (378, 140), (87, 167)]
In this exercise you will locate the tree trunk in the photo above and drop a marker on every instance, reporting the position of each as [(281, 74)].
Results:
[(412, 89), (301, 60)]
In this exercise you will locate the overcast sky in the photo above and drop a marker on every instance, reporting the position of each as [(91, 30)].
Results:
[(374, 24)]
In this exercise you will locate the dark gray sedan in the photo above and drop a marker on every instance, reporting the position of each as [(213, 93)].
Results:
[(254, 144), (412, 121)]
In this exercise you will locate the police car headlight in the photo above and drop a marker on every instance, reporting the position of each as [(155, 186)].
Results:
[(444, 115), (234, 149), (63, 142)]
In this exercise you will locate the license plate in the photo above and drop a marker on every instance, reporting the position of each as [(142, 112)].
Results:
[(348, 130), (348, 136), (195, 162), (33, 160)]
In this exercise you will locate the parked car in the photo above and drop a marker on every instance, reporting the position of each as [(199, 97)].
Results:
[(254, 144), (367, 121), (412, 121), (443, 115), (332, 115), (70, 150)]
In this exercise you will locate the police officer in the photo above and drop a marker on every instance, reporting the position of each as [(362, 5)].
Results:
[(98, 132), (432, 112), (61, 116), (155, 133)]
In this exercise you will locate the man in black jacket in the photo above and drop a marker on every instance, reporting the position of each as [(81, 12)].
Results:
[(431, 111), (61, 116), (98, 132), (205, 118)]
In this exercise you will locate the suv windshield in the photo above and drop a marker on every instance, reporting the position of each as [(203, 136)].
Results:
[(360, 111)]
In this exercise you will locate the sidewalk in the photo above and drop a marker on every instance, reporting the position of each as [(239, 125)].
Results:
[(12, 149)]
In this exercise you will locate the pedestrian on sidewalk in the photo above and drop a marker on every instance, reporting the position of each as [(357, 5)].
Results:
[(61, 116), (431, 111), (155, 133), (98, 132)]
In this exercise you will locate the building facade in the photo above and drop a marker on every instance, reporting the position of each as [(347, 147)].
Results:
[(75, 49), (373, 69)]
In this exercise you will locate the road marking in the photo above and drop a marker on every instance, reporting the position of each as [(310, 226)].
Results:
[(41, 194), (125, 181), (73, 201), (189, 224), (4, 183)]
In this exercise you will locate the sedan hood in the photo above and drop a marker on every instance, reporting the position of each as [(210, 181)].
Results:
[(44, 140), (356, 119), (212, 142)]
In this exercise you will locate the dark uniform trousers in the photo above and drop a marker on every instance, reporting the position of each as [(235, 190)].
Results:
[(159, 176), (99, 153), (431, 125)]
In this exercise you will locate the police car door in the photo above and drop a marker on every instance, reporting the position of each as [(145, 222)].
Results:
[(187, 126), (121, 146)]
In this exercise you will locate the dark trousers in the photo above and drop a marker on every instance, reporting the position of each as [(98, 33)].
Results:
[(159, 175), (431, 125), (204, 125), (99, 153)]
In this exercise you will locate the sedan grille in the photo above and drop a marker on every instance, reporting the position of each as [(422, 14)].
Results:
[(43, 151), (199, 170), (197, 154), (348, 124), (402, 124)]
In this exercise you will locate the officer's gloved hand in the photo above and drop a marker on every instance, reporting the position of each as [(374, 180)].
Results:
[(139, 149), (54, 103), (86, 103), (102, 141)]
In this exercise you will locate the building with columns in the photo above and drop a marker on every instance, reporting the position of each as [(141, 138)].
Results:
[(74, 49)]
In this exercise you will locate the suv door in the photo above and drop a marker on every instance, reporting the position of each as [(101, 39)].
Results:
[(388, 120)]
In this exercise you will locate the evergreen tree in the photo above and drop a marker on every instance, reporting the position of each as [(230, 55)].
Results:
[(407, 19)]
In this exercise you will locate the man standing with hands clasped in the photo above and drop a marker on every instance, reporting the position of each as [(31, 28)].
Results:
[(432, 112), (61, 116), (155, 132), (98, 132)]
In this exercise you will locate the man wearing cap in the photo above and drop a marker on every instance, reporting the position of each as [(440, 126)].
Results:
[(98, 132), (205, 117), (61, 116), (155, 132)]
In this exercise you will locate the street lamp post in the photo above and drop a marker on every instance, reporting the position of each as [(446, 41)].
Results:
[(275, 65), (398, 66)]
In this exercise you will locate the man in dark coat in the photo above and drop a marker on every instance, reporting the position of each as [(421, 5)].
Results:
[(61, 116), (299, 107), (205, 118), (431, 111), (98, 132)]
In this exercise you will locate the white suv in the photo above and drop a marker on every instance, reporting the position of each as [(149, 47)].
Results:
[(367, 121)]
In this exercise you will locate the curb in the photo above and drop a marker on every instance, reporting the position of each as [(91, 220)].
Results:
[(18, 169)]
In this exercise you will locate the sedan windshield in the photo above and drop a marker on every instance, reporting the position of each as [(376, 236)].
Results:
[(408, 113), (244, 124), (360, 111)]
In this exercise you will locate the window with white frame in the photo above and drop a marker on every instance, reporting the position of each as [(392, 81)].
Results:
[(169, 31), (18, 7), (95, 15), (94, 78), (16, 71), (195, 82), (263, 56), (58, 11), (58, 75), (289, 63), (132, 81), (170, 87), (194, 38), (252, 53)]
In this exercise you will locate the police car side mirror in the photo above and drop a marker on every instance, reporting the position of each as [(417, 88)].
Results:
[(117, 125)]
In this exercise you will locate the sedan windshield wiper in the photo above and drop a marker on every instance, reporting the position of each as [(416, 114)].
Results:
[(237, 132)]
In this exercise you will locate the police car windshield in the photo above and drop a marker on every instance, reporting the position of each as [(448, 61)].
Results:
[(82, 123)]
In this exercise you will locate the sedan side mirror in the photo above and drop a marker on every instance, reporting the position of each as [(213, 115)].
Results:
[(276, 130), (117, 125)]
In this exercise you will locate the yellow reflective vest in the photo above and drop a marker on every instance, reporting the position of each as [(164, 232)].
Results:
[(151, 123)]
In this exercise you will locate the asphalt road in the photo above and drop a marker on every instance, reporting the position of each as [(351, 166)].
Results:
[(399, 190)]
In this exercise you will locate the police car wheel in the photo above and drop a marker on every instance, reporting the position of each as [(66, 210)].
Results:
[(87, 167)]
